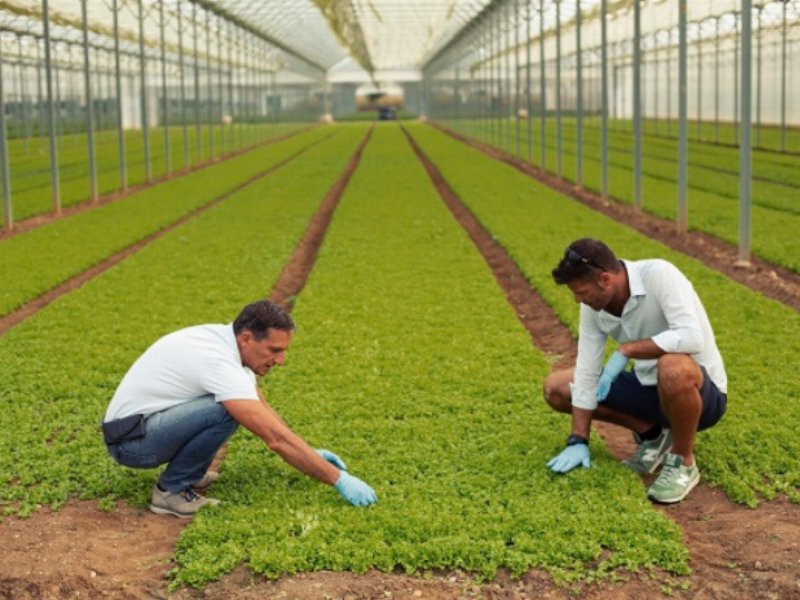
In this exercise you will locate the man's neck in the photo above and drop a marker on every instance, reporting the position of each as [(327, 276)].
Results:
[(621, 294)]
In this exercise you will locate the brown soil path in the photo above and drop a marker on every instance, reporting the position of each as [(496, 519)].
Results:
[(33, 306), (773, 281), (74, 209)]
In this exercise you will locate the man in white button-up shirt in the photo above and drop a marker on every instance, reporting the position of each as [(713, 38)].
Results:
[(678, 384)]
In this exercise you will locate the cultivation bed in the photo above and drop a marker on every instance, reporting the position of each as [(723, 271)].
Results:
[(129, 551)]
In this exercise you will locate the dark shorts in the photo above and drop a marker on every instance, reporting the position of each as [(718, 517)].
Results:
[(629, 396)]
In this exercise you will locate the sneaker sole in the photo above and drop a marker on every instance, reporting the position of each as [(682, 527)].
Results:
[(675, 500), (641, 471), (159, 510)]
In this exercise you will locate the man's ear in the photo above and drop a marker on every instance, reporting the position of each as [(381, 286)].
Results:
[(604, 279)]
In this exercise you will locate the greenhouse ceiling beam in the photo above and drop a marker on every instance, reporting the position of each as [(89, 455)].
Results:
[(250, 28), (344, 23), (460, 36), (103, 33)]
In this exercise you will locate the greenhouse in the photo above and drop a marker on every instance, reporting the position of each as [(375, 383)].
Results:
[(530, 269)]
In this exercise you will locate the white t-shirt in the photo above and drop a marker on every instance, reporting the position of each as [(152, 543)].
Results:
[(663, 306), (189, 364)]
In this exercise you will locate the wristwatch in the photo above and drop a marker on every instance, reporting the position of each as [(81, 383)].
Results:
[(574, 438)]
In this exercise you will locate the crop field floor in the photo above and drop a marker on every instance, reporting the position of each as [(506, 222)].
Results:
[(79, 551)]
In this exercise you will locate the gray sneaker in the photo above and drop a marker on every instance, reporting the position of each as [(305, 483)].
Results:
[(675, 481), (181, 504), (649, 453)]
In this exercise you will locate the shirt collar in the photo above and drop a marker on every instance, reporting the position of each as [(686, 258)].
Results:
[(635, 279)]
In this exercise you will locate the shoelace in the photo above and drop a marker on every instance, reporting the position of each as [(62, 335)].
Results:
[(667, 471), (191, 495)]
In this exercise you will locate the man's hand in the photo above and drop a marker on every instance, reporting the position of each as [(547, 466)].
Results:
[(355, 491), (614, 366), (331, 458), (571, 457)]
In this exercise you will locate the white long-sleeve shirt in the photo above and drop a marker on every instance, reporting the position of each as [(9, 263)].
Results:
[(663, 306)]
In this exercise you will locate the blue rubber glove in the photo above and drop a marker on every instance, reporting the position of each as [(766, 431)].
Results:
[(571, 457), (355, 491), (614, 366), (331, 458)]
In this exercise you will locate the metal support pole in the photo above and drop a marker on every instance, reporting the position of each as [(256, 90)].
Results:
[(716, 83), (210, 89), (783, 79), (87, 86), (220, 87), (579, 91), (40, 112), (542, 93), (23, 94), (683, 118), (656, 82), (516, 74), (745, 150), (164, 91), (528, 103), (669, 83), (498, 81), (699, 83), (51, 116), (637, 104), (736, 96), (241, 113), (231, 111), (198, 132), (8, 213), (559, 139), (187, 155), (604, 94), (507, 86), (758, 78), (143, 83), (123, 168)]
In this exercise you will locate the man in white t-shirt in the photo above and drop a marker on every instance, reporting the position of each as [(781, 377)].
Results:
[(187, 394), (678, 385)]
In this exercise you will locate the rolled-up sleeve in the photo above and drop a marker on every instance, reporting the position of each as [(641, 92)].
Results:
[(685, 333), (589, 364)]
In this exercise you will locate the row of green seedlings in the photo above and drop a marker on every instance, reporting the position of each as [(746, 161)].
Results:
[(38, 260), (31, 183), (409, 363), (773, 166), (720, 179), (774, 232), (725, 133), (61, 367), (758, 337)]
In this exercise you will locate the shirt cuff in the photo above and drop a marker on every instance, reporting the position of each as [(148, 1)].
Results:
[(583, 398), (668, 341)]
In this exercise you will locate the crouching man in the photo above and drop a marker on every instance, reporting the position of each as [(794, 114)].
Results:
[(678, 385), (187, 394)]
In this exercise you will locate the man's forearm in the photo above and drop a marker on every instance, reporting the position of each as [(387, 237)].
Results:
[(302, 457), (646, 348), (581, 421)]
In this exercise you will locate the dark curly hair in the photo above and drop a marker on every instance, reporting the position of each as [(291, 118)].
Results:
[(584, 258), (261, 316)]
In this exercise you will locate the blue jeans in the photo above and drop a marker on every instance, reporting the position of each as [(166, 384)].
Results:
[(186, 436)]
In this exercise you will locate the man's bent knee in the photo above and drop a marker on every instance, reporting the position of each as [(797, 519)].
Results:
[(678, 374), (555, 390)]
